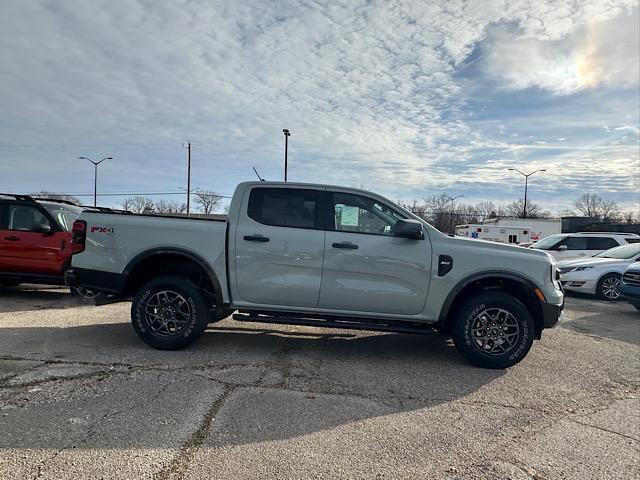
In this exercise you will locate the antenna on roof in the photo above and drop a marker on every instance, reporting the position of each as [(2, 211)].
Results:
[(257, 174)]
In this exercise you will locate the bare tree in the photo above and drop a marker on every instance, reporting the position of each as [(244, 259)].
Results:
[(207, 200), (138, 205), (486, 209), (164, 206), (594, 206), (515, 209), (56, 196)]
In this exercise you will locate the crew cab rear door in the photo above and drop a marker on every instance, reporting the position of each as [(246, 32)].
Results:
[(366, 269), (278, 247)]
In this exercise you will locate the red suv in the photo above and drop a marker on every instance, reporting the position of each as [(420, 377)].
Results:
[(35, 239)]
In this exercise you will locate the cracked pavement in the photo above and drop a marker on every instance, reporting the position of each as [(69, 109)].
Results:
[(82, 397)]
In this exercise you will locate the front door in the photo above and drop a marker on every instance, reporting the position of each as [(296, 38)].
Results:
[(279, 247), (366, 269)]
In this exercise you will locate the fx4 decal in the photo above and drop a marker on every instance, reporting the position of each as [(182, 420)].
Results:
[(108, 230)]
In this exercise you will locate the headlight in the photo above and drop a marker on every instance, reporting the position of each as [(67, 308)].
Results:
[(580, 269), (566, 270)]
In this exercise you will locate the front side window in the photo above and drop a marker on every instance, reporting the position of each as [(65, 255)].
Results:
[(284, 207), (359, 214), (548, 243), (64, 215), (28, 219), (573, 243)]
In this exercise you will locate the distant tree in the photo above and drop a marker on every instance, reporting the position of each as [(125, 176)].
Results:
[(57, 196), (594, 206), (164, 206), (138, 205), (515, 209), (485, 209), (207, 201)]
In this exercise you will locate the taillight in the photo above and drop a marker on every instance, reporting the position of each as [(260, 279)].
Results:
[(79, 232)]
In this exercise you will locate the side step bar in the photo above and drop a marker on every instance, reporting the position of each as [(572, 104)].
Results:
[(338, 322)]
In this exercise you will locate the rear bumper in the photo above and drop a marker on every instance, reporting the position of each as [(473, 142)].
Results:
[(96, 280)]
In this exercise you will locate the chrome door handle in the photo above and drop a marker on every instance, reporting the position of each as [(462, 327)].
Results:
[(347, 245)]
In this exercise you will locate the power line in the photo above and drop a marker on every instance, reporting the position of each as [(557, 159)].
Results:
[(123, 194)]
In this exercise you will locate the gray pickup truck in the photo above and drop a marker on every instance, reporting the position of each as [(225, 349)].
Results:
[(318, 255)]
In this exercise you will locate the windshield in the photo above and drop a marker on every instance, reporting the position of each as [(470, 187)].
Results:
[(548, 242), (623, 252), (63, 214)]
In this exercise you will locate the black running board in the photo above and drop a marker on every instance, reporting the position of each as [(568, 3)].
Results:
[(336, 322)]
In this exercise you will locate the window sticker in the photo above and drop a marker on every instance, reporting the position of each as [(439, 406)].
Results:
[(350, 216)]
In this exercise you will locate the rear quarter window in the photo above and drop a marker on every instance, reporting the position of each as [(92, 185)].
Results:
[(601, 243)]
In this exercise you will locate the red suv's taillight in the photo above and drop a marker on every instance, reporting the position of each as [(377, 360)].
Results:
[(79, 232)]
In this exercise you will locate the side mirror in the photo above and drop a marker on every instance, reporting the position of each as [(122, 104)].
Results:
[(408, 229), (562, 248), (43, 228)]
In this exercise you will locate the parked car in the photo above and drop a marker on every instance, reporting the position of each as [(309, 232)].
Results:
[(630, 287), (564, 246), (601, 274), (35, 239), (322, 256)]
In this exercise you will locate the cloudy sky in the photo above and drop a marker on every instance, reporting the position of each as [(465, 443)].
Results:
[(404, 98)]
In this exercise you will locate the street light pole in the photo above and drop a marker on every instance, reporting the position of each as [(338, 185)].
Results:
[(526, 186), (95, 177), (287, 134)]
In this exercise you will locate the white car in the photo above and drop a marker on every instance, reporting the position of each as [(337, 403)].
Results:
[(583, 244), (601, 274)]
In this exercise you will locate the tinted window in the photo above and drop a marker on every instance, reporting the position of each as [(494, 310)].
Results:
[(632, 239), (574, 243), (4, 216), (26, 218), (284, 207), (358, 214), (601, 243)]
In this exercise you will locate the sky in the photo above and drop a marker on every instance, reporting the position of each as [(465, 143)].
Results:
[(405, 98)]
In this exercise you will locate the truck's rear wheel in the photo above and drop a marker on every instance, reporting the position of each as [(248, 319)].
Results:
[(169, 313), (493, 330)]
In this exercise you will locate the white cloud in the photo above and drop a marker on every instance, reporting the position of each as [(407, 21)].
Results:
[(600, 53), (368, 89)]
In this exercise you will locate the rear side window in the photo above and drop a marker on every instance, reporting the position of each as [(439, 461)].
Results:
[(628, 240), (284, 207), (601, 243)]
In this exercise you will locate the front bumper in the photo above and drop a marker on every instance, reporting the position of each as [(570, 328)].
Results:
[(630, 292), (551, 314)]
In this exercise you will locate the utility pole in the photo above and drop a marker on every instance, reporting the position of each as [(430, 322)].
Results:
[(188, 147), (526, 185), (95, 177), (287, 134)]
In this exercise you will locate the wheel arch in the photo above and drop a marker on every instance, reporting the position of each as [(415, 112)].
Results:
[(134, 272), (515, 284)]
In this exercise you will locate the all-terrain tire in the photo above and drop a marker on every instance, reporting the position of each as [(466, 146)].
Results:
[(493, 330), (170, 312), (605, 284)]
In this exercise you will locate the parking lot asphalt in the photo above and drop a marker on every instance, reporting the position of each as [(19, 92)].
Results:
[(82, 397)]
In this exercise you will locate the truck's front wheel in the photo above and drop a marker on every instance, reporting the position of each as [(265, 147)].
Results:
[(169, 313), (493, 330)]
